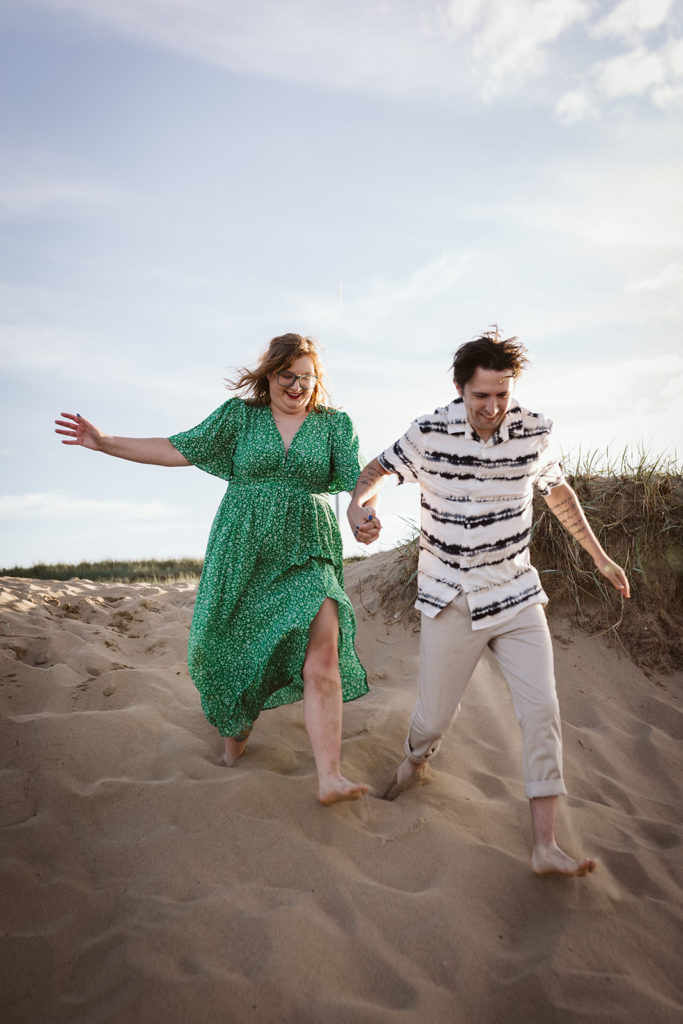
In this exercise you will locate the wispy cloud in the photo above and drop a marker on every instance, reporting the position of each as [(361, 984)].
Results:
[(650, 68), (667, 277), (41, 197), (58, 506), (638, 381), (594, 406), (628, 211), (481, 49), (403, 308), (629, 18), (512, 40), (30, 187)]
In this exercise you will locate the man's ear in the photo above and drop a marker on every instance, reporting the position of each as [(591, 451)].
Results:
[(457, 387)]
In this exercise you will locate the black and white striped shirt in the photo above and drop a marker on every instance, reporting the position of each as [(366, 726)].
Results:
[(476, 500)]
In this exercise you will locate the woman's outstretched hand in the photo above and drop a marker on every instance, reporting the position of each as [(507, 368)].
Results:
[(153, 451), (80, 431)]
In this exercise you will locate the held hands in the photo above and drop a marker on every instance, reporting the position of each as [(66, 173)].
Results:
[(616, 575), (80, 431), (364, 523)]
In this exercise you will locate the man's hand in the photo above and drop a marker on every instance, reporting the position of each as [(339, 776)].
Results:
[(364, 523), (362, 515), (616, 575)]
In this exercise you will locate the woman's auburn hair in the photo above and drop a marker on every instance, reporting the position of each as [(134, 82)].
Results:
[(280, 354)]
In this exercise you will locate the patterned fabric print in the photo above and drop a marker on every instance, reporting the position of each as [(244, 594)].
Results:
[(476, 501), (274, 555)]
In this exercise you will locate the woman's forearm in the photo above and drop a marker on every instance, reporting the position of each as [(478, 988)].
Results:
[(155, 451)]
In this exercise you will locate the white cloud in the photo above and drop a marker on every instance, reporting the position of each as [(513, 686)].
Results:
[(665, 278), (635, 73), (463, 15), (632, 17), (515, 37), (59, 506), (576, 106), (647, 70)]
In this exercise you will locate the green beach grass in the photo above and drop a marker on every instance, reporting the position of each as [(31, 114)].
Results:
[(148, 570)]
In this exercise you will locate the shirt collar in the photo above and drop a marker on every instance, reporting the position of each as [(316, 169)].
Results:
[(457, 423)]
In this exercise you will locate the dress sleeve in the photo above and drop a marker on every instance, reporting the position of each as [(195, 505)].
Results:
[(346, 464), (211, 444), (550, 473)]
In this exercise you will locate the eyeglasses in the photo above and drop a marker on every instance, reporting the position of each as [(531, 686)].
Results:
[(287, 379)]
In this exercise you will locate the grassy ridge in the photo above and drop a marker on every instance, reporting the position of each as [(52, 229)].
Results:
[(635, 507), (149, 570)]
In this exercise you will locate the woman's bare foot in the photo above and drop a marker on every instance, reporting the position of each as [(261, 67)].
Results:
[(234, 748), (336, 787), (408, 774), (552, 860)]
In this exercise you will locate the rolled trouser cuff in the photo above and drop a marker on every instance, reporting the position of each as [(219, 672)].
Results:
[(419, 752), (548, 787)]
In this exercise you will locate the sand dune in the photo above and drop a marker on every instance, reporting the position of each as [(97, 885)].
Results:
[(143, 882)]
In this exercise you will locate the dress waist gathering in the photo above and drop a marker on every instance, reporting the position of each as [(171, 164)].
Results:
[(289, 484)]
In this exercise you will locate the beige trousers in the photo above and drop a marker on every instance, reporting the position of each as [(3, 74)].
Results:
[(449, 652)]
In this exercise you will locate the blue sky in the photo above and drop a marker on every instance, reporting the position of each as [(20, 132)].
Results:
[(180, 182)]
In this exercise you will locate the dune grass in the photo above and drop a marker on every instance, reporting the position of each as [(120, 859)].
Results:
[(149, 570), (634, 505)]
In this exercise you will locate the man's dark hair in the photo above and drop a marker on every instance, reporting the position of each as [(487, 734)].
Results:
[(490, 352)]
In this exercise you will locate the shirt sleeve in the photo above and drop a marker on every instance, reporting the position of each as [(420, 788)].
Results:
[(211, 444), (346, 463), (402, 458), (549, 473)]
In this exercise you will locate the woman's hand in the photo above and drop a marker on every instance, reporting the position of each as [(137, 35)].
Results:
[(81, 431), (364, 523), (153, 451)]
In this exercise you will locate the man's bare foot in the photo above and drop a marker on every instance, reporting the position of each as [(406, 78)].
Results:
[(552, 860), (336, 787), (234, 748), (408, 774)]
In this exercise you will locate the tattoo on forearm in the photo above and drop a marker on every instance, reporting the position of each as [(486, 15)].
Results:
[(570, 514)]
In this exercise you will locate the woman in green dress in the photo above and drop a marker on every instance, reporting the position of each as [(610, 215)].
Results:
[(272, 623)]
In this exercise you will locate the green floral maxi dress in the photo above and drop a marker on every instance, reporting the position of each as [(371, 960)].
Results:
[(274, 555)]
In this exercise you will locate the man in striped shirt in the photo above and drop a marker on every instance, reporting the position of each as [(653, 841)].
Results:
[(477, 461)]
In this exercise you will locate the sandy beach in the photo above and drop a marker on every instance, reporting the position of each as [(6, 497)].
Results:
[(144, 882)]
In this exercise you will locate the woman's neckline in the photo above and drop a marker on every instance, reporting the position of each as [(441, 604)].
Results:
[(288, 417)]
